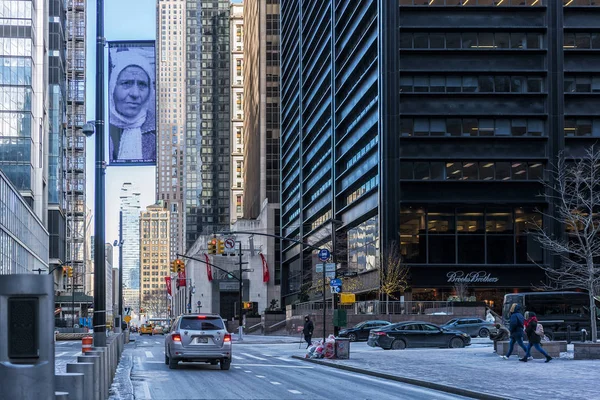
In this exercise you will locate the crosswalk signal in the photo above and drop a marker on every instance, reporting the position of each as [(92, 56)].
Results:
[(221, 246), (212, 246), (247, 305)]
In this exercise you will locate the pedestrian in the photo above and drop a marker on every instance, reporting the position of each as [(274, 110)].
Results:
[(489, 317), (501, 334), (535, 332), (516, 330), (309, 327)]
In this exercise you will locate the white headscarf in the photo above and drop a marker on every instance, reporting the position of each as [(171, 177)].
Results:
[(120, 61)]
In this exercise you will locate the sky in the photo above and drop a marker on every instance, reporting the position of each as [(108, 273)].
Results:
[(123, 20)]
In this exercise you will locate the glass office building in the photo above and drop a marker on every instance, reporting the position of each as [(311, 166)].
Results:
[(428, 124), (130, 209), (23, 238)]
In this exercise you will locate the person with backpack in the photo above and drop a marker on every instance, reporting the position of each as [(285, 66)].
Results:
[(535, 333), (516, 330)]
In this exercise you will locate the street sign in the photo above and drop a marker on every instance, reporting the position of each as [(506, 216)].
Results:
[(324, 255), (347, 298), (127, 318), (335, 289), (329, 267), (127, 310), (230, 245), (335, 282), (330, 274)]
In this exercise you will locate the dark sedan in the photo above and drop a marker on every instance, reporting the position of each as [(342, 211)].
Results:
[(361, 330), (416, 334)]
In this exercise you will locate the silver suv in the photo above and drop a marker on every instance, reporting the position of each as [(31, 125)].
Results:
[(198, 337)]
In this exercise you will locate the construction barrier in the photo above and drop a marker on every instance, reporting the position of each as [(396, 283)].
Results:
[(86, 344)]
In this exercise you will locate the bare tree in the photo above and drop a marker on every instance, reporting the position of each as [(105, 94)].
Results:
[(155, 303), (575, 191), (462, 291), (393, 274)]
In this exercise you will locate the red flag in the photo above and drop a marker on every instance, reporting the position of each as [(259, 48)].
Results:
[(168, 282), (265, 268), (181, 278), (208, 268)]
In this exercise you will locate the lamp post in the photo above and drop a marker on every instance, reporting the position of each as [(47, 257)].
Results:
[(99, 207), (119, 319)]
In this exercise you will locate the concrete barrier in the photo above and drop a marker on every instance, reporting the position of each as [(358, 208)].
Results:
[(61, 396), (71, 383), (96, 360), (586, 351), (103, 377), (552, 348), (87, 369)]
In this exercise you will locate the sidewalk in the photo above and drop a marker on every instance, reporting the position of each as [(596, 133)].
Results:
[(263, 339), (479, 369)]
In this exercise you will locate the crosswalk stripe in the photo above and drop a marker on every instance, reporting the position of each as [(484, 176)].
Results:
[(77, 354), (238, 358), (157, 342), (294, 391), (275, 383), (60, 354), (285, 359), (255, 357), (149, 354), (260, 376)]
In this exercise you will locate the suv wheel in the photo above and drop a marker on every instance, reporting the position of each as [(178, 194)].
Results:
[(166, 359), (225, 364), (172, 363), (484, 332), (352, 337)]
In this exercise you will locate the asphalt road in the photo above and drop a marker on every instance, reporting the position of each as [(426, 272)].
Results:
[(258, 371)]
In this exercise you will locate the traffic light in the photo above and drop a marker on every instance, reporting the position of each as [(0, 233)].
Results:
[(65, 271), (70, 271), (247, 305), (179, 265), (212, 246), (173, 266), (221, 246)]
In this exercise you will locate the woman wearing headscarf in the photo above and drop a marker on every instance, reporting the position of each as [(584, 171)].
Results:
[(131, 101)]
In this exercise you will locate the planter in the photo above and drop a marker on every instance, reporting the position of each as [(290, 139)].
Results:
[(586, 351)]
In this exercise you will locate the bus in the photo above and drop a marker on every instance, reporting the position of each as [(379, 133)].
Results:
[(556, 311)]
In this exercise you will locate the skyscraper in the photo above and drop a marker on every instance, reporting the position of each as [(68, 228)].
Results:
[(237, 111), (74, 145), (154, 256), (23, 100), (171, 100), (207, 152), (427, 125), (130, 207)]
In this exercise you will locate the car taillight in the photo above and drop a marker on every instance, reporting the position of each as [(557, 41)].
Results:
[(201, 316), (380, 333), (227, 338), (176, 337)]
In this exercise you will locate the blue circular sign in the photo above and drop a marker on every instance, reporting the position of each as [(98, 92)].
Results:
[(324, 255)]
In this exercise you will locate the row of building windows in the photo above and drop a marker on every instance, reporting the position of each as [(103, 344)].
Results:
[(471, 127), (364, 188), (471, 40), (472, 84), (582, 127), (15, 70), (472, 170), (493, 3), (582, 84), (582, 40), (470, 235)]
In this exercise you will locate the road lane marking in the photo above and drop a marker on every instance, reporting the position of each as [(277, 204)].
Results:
[(247, 371), (145, 342), (275, 383), (237, 367), (149, 354), (294, 391), (157, 342), (153, 362), (146, 390), (238, 358), (77, 353), (60, 354), (255, 357), (260, 376), (286, 359), (277, 365)]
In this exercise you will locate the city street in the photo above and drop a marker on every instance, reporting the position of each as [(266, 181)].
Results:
[(258, 371)]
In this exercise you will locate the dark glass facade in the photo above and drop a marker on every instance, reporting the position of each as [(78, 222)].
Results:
[(432, 123), (207, 138)]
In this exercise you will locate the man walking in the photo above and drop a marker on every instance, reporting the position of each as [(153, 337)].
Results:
[(309, 327), (516, 330)]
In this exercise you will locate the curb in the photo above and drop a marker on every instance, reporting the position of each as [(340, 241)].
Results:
[(411, 381)]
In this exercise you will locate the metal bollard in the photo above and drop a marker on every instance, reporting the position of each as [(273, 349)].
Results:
[(568, 334), (61, 395), (103, 377), (87, 369), (71, 383), (583, 335), (96, 360)]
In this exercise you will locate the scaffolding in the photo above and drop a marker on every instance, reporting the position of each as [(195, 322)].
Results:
[(75, 143)]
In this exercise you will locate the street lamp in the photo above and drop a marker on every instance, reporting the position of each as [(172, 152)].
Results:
[(120, 299), (99, 206)]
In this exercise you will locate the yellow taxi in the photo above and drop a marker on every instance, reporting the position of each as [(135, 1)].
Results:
[(146, 329)]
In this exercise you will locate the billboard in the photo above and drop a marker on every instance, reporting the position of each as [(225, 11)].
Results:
[(132, 103)]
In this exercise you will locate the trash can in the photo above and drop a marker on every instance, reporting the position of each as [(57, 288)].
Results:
[(342, 348)]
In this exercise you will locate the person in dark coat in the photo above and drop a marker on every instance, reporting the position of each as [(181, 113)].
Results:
[(501, 334), (534, 338), (309, 327), (516, 330)]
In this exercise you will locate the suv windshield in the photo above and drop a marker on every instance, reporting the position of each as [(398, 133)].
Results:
[(201, 324)]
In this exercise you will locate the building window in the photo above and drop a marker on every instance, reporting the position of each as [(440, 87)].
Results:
[(363, 246)]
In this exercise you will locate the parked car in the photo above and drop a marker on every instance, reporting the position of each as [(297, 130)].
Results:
[(471, 326), (158, 330), (146, 329), (361, 330), (416, 334), (198, 338)]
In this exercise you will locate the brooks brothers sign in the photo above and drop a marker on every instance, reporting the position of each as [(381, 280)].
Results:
[(471, 277)]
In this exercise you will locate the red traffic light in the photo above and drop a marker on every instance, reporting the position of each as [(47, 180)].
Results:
[(213, 242)]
